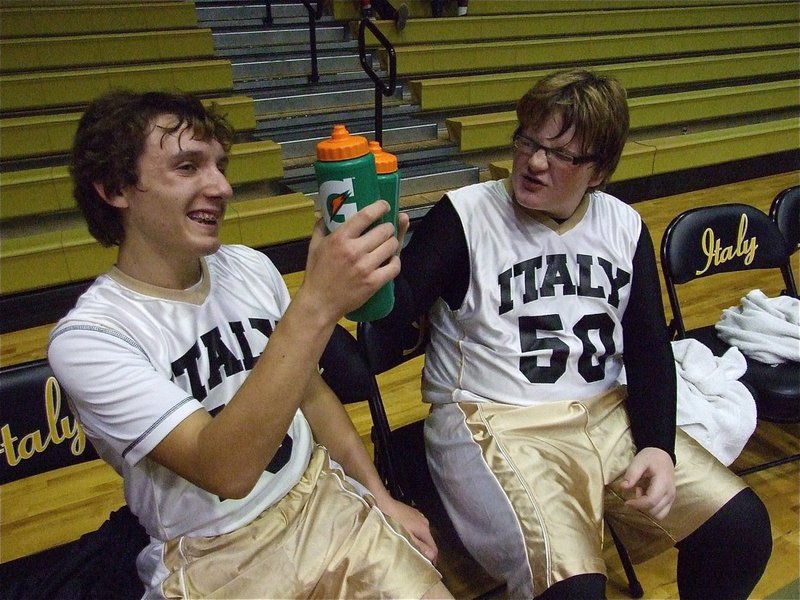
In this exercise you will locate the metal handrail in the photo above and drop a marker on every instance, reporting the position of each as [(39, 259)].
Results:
[(313, 15), (268, 16), (381, 88)]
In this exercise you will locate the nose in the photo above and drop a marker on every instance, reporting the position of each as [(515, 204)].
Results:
[(538, 160), (218, 184)]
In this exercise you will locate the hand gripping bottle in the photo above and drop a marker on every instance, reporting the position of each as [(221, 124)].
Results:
[(348, 182)]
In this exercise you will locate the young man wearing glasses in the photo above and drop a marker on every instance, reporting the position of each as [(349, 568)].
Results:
[(538, 290)]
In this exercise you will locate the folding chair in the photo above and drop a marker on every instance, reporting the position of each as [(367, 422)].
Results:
[(711, 240), (347, 373), (785, 212), (408, 477)]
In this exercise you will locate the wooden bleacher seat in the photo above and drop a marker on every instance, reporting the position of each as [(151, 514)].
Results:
[(581, 21), (36, 192), (495, 7), (61, 52), (48, 134), (430, 59), (717, 146), (26, 19), (345, 10), (494, 130), (77, 87), (462, 92), (267, 220)]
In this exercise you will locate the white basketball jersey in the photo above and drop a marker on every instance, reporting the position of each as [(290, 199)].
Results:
[(541, 319), (136, 360)]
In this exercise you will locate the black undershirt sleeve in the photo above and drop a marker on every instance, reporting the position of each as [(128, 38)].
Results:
[(649, 362), (435, 263)]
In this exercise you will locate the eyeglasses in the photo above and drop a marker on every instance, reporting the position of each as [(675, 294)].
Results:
[(529, 147)]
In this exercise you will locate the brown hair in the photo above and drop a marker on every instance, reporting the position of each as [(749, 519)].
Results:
[(596, 105), (110, 139)]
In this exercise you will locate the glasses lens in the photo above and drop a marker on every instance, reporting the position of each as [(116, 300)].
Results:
[(526, 145), (564, 157), (530, 147)]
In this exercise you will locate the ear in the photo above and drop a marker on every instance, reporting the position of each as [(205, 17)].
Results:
[(118, 200), (597, 179)]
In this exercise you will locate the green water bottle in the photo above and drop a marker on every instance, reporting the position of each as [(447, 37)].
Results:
[(348, 182), (388, 177)]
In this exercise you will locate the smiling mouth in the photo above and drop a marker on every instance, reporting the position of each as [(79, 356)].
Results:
[(204, 218)]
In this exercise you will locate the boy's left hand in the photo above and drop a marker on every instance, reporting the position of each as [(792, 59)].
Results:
[(651, 477), (415, 524)]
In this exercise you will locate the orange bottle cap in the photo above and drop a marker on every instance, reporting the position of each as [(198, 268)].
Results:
[(341, 145), (385, 162)]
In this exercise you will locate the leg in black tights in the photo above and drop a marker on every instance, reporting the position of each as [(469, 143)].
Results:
[(590, 586), (726, 556)]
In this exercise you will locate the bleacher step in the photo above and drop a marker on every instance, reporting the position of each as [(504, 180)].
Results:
[(214, 13), (294, 146), (447, 175), (314, 99), (254, 69), (267, 38), (282, 127)]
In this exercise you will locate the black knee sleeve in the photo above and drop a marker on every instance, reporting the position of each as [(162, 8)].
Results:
[(590, 586), (726, 556)]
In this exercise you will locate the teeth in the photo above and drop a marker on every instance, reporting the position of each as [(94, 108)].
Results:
[(203, 217)]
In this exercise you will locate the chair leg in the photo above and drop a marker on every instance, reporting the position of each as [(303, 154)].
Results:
[(768, 465), (634, 587)]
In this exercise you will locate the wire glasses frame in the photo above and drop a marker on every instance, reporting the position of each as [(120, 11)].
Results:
[(529, 147)]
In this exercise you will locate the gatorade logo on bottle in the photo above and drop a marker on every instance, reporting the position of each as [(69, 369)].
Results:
[(339, 203)]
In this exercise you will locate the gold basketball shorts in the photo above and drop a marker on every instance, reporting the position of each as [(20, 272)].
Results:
[(527, 488), (321, 540)]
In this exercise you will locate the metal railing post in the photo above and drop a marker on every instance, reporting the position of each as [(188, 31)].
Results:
[(312, 38), (381, 88), (268, 16), (313, 15)]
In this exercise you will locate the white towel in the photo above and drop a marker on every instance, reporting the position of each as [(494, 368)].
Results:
[(765, 329), (714, 407)]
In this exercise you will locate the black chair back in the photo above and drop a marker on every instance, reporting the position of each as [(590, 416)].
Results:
[(718, 239), (785, 212), (726, 238), (39, 432)]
